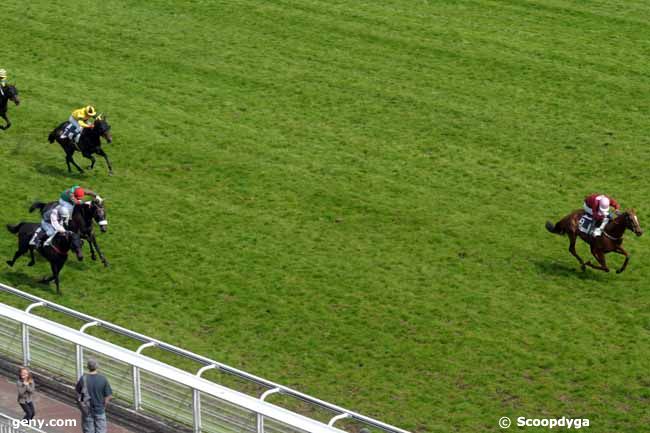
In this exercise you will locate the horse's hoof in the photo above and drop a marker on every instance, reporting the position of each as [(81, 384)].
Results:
[(44, 281), (618, 271), (93, 257), (106, 264), (10, 263), (110, 173), (30, 263)]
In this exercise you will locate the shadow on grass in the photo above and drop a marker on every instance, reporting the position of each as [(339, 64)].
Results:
[(53, 170), (557, 269), (21, 280)]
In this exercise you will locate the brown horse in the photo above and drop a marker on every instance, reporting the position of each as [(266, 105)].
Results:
[(610, 241)]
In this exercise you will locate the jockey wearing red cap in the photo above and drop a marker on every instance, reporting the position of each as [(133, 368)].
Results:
[(597, 205), (75, 195)]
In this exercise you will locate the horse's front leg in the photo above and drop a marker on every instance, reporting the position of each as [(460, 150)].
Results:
[(92, 248), (600, 256), (620, 250), (101, 152), (92, 160), (93, 241), (56, 269), (7, 121)]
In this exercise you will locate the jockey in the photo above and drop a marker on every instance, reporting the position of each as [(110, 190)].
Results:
[(54, 221), (80, 119), (75, 195), (3, 80), (597, 205)]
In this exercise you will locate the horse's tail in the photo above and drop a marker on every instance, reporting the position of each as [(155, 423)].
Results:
[(560, 228), (52, 136), (14, 228), (36, 205)]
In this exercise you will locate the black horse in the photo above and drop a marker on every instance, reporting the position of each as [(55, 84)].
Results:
[(7, 93), (56, 253), (82, 222), (89, 143)]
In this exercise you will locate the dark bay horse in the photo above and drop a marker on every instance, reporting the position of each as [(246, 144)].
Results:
[(82, 222), (7, 93), (89, 143), (56, 253), (610, 241)]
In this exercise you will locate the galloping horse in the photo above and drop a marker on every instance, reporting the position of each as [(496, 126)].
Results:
[(56, 253), (7, 93), (82, 222), (610, 241), (89, 143)]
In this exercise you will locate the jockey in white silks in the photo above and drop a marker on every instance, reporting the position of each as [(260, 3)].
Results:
[(54, 221)]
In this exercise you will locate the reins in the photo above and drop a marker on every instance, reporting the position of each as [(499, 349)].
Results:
[(611, 237), (58, 251)]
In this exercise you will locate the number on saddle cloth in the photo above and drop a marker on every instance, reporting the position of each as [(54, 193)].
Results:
[(68, 131), (585, 223)]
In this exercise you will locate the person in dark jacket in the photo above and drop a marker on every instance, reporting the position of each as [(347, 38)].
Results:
[(100, 393), (25, 392)]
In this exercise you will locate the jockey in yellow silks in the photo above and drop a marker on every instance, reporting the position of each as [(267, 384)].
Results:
[(80, 119)]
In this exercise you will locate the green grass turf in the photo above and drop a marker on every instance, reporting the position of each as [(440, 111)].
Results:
[(349, 197)]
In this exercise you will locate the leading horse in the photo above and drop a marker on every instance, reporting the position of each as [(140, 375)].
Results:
[(7, 93), (610, 241), (89, 143)]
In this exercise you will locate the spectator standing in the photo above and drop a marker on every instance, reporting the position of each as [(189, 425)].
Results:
[(25, 392), (100, 393)]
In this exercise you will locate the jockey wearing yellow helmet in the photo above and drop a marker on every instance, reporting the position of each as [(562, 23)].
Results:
[(3, 80), (81, 118)]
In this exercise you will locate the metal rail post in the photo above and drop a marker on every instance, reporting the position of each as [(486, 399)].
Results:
[(260, 417), (137, 394), (80, 350), (196, 400), (338, 417), (27, 355)]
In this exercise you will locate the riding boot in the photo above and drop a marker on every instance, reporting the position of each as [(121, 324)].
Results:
[(48, 242)]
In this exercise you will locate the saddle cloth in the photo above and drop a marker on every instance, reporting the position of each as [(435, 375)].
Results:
[(585, 223), (66, 129)]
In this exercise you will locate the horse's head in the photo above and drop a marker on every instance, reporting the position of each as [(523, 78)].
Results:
[(12, 93), (632, 221), (99, 215), (103, 129)]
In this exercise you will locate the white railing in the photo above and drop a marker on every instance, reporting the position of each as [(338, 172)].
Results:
[(9, 425), (154, 387)]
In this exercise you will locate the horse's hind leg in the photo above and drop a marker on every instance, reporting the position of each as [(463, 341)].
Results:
[(620, 250), (16, 257), (572, 249)]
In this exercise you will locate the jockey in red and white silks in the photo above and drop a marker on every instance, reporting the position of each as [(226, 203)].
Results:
[(597, 205)]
